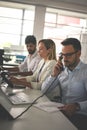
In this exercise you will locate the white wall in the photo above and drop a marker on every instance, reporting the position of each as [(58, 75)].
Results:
[(74, 5)]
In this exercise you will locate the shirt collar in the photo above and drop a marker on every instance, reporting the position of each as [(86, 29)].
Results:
[(35, 53), (76, 68)]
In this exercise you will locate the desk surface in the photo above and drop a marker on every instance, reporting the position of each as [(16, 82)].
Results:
[(36, 119)]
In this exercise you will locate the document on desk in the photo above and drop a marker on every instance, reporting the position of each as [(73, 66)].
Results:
[(49, 106)]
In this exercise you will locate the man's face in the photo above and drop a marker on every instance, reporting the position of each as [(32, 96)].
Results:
[(31, 48), (70, 56)]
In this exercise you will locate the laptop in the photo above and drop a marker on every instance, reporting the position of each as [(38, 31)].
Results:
[(12, 113), (17, 97)]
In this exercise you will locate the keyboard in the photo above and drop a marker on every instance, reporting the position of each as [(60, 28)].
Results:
[(19, 98)]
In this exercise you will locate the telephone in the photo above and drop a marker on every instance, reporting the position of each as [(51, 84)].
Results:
[(5, 78), (60, 59)]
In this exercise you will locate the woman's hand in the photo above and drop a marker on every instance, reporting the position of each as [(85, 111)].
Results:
[(21, 81)]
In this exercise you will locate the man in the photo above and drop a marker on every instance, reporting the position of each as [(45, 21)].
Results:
[(29, 65), (71, 77)]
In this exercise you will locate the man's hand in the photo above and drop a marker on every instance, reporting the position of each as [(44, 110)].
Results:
[(69, 109), (57, 69)]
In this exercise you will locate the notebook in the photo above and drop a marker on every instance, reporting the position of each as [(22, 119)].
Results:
[(17, 97)]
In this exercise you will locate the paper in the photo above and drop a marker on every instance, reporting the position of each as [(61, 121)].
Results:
[(49, 106)]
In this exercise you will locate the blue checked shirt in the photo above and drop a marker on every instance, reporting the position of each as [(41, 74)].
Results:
[(73, 85)]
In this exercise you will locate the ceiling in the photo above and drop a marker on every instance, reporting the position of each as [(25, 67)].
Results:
[(77, 5)]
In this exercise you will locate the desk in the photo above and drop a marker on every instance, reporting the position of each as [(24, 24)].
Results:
[(36, 119)]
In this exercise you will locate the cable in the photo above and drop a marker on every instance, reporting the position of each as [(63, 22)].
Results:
[(1, 68), (35, 100)]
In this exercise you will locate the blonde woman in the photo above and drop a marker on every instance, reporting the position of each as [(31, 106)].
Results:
[(47, 50)]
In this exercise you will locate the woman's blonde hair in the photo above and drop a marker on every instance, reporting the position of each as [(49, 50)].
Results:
[(50, 44)]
